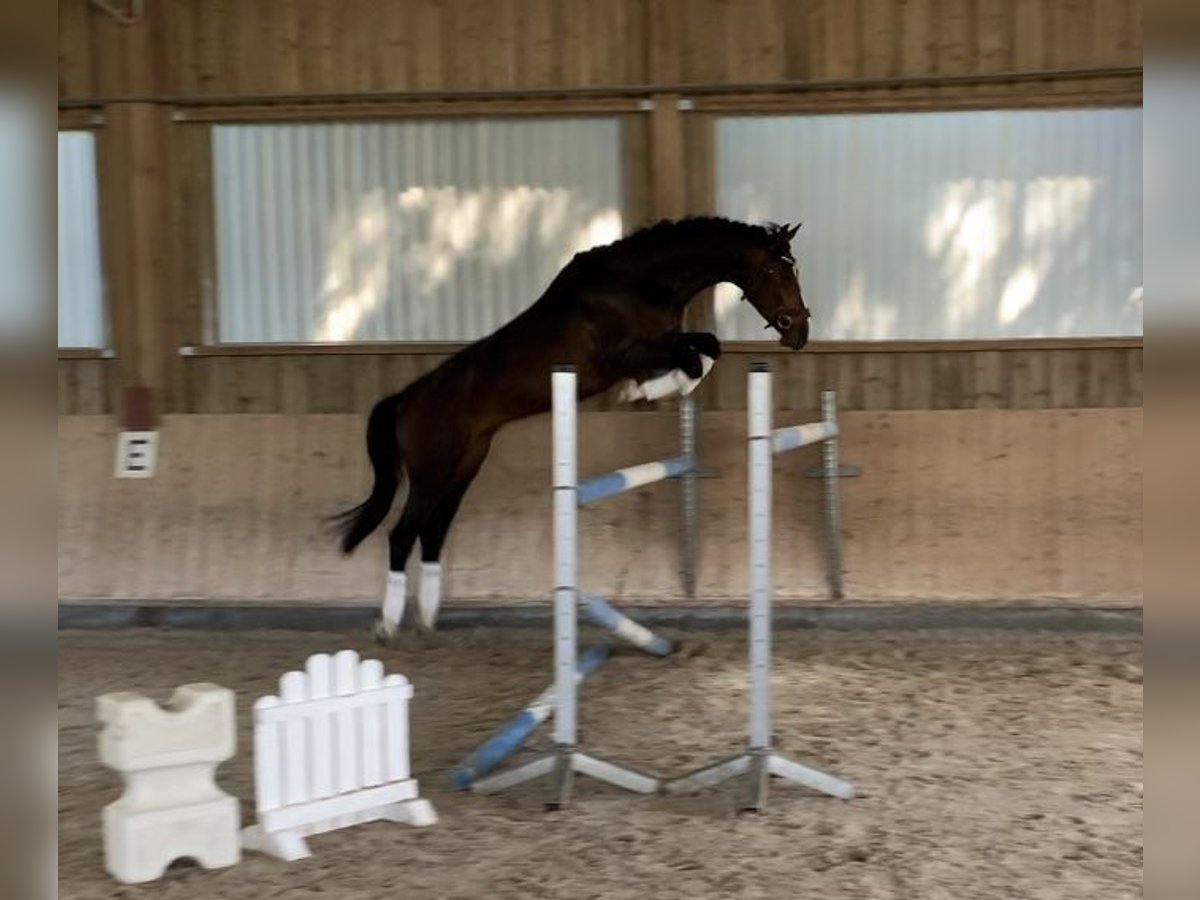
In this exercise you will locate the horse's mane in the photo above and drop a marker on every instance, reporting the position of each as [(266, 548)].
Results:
[(651, 246), (667, 234), (692, 228)]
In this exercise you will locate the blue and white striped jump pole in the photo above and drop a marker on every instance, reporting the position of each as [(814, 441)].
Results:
[(795, 436), (761, 761), (824, 433), (562, 764), (609, 485), (604, 486), (517, 730), (601, 613)]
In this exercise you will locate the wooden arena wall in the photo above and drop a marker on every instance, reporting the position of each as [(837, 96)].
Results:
[(1025, 375), (984, 506), (239, 48), (151, 89), (993, 470)]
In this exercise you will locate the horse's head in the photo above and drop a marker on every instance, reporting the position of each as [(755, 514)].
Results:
[(773, 287)]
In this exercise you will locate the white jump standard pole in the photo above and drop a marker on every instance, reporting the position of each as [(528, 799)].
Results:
[(566, 759), (760, 761)]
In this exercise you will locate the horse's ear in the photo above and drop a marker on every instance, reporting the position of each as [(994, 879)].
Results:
[(791, 232)]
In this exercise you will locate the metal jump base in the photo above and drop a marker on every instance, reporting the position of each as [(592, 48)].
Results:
[(761, 761), (567, 760)]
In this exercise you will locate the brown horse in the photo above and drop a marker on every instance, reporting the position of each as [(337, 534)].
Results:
[(615, 313)]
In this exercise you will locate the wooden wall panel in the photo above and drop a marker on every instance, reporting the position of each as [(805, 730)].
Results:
[(948, 379), (878, 380), (209, 48), (1071, 33), (1110, 33), (878, 44), (231, 47), (134, 177), (995, 41), (841, 41), (74, 51), (956, 37), (765, 40), (973, 506), (1031, 34), (916, 26), (86, 387)]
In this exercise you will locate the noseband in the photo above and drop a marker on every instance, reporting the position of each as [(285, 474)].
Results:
[(783, 319)]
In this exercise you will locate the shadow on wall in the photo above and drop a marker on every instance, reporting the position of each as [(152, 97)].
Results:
[(962, 225), (415, 230), (426, 261)]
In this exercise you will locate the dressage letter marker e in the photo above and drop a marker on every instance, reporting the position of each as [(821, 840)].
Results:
[(137, 454)]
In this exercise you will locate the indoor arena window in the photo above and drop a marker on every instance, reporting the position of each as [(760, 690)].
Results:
[(80, 280), (403, 231), (947, 225)]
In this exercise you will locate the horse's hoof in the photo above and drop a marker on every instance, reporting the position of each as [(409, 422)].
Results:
[(385, 634)]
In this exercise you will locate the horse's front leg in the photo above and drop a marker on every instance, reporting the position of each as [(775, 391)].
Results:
[(673, 366), (709, 350), (703, 342)]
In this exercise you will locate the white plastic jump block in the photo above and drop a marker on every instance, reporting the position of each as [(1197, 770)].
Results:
[(172, 807), (330, 751)]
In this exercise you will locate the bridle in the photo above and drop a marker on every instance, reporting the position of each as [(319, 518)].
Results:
[(783, 319)]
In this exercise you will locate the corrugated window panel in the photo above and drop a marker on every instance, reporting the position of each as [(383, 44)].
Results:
[(969, 225), (80, 279), (403, 231), (23, 286)]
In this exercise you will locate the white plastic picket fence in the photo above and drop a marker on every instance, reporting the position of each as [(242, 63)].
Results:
[(330, 751)]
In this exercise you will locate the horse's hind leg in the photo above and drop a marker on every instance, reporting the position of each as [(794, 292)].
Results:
[(401, 539), (434, 494), (435, 526), (433, 536)]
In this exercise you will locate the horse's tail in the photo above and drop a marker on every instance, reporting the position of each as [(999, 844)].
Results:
[(385, 455)]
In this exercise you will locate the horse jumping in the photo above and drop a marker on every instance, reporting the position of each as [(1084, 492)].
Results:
[(615, 313)]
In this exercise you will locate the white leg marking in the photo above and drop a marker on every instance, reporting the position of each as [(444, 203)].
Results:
[(429, 596), (667, 385), (393, 604), (630, 392), (670, 384)]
